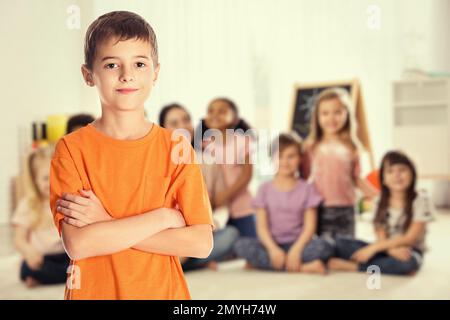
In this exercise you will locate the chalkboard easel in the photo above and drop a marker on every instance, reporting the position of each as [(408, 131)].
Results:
[(303, 105)]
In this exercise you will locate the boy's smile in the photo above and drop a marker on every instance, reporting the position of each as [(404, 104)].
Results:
[(126, 90), (124, 73)]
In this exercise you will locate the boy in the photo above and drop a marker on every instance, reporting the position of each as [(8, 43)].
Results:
[(115, 184)]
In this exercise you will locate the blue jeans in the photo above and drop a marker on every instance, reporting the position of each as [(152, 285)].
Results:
[(224, 240), (345, 248), (256, 254), (53, 269), (245, 225)]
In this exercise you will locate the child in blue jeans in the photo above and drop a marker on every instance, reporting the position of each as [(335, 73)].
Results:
[(400, 225), (286, 219)]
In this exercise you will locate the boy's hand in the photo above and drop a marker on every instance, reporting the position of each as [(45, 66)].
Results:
[(277, 258), (400, 253), (293, 260), (364, 254), (82, 210)]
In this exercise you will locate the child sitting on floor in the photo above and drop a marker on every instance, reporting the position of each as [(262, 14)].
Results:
[(286, 218), (35, 237), (400, 225)]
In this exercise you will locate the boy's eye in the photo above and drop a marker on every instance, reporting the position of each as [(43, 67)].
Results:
[(140, 64), (111, 66)]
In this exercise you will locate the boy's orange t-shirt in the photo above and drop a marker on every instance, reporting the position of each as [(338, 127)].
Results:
[(129, 177)]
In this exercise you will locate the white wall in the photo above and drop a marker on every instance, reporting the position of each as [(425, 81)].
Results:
[(255, 50), (252, 51), (40, 61)]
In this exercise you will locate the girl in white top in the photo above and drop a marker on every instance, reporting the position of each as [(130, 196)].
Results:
[(400, 224)]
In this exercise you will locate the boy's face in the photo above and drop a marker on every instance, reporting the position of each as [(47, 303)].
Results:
[(123, 72)]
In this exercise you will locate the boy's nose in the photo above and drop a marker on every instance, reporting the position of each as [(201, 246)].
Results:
[(126, 78), (127, 75)]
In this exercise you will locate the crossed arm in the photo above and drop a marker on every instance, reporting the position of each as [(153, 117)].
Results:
[(88, 230)]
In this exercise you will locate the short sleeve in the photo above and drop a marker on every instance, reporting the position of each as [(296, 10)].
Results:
[(64, 177), (260, 200), (191, 194), (423, 209), (314, 199), (21, 216)]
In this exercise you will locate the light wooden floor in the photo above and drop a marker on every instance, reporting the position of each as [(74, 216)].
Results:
[(233, 282)]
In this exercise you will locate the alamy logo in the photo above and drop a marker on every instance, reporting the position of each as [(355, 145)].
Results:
[(73, 20), (234, 147), (374, 280), (373, 17), (73, 277)]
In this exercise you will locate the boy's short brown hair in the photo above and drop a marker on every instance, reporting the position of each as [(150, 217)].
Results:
[(121, 24), (286, 140)]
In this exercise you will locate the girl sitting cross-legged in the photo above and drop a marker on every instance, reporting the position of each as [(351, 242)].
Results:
[(286, 219), (400, 225)]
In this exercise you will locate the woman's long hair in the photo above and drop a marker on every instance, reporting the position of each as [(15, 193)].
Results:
[(392, 158)]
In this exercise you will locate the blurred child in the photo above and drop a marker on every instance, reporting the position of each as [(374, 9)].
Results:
[(35, 237), (78, 121), (175, 116), (333, 163), (286, 219), (222, 115), (400, 224)]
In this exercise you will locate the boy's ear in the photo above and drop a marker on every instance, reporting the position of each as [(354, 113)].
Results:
[(87, 75), (155, 76)]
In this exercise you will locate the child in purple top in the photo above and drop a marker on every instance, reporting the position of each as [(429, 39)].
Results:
[(286, 219)]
